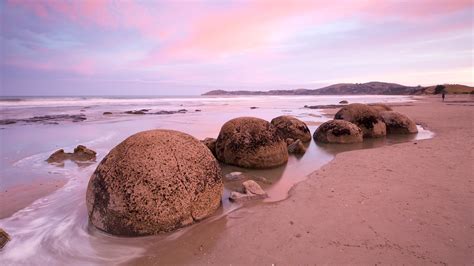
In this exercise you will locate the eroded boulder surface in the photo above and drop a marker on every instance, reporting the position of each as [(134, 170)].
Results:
[(81, 153), (251, 142), (154, 181), (291, 127), (338, 131), (398, 123), (365, 117)]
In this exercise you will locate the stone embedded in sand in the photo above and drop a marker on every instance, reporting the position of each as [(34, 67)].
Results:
[(81, 153), (398, 123), (4, 238), (252, 191), (338, 131), (154, 181), (251, 143), (291, 127), (297, 147), (211, 144), (106, 113), (365, 117), (343, 102)]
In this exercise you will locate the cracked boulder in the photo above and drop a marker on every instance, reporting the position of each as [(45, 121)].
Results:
[(365, 117), (291, 127), (338, 131), (154, 181), (250, 142), (398, 123)]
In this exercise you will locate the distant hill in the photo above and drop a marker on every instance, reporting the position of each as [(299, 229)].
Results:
[(451, 88), (369, 88)]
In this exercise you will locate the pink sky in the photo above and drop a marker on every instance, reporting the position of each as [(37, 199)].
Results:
[(188, 47)]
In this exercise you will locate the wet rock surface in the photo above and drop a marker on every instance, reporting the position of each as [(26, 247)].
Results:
[(81, 153), (338, 131), (47, 119), (251, 142), (4, 238), (251, 191), (291, 127), (365, 117), (154, 181), (398, 123)]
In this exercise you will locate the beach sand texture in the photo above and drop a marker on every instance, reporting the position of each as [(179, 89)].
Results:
[(410, 203)]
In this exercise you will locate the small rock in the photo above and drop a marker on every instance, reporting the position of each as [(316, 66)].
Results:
[(343, 102), (139, 112), (251, 187), (197, 110), (253, 107), (252, 191), (81, 153), (297, 147), (4, 238), (107, 113)]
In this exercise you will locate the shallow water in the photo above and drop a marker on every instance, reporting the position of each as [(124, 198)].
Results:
[(55, 230)]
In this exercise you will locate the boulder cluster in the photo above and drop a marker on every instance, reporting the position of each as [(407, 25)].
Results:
[(354, 122), (160, 180)]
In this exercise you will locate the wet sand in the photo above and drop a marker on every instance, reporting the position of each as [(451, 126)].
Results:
[(409, 203), (21, 196)]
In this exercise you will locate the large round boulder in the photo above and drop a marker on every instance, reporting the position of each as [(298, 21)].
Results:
[(291, 127), (338, 131), (365, 117), (251, 143), (154, 181), (398, 123)]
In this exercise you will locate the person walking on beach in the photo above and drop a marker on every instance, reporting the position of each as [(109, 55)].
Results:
[(443, 95)]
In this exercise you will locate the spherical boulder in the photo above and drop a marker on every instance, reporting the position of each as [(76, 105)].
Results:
[(291, 127), (154, 181), (398, 123), (365, 117), (338, 131), (251, 143)]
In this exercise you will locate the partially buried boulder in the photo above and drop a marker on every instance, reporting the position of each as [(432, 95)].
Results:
[(291, 127), (338, 131), (251, 143), (365, 117), (154, 181), (398, 123)]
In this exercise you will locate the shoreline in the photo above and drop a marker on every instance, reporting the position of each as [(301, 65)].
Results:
[(407, 203)]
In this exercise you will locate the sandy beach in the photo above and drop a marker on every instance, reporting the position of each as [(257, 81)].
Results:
[(408, 203)]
